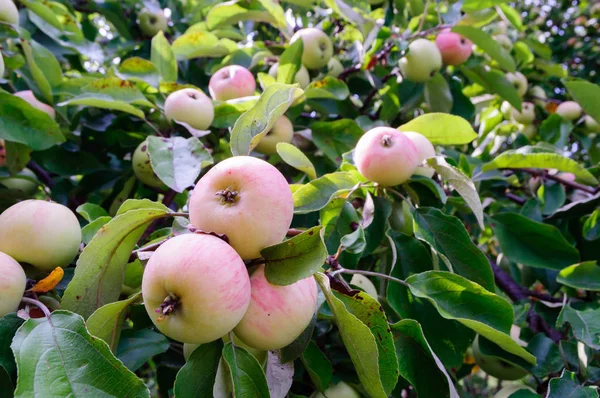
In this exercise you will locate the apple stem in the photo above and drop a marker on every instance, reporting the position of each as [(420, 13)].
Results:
[(369, 273), (38, 304), (168, 306)]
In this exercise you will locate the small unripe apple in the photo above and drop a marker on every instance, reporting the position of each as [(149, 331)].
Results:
[(339, 390), (196, 288), (9, 12), (386, 156), (504, 41), (519, 81), (44, 234), (527, 114), (277, 315), (508, 391), (282, 131), (538, 92), (495, 366), (231, 82), (454, 48), (21, 184), (529, 130), (142, 168), (591, 124), (318, 49), (30, 98), (12, 284), (569, 110), (151, 23), (425, 150), (422, 62), (302, 77), (190, 106), (248, 200), (334, 67)]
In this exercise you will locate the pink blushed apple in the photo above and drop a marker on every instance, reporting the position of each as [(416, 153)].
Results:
[(200, 287), (12, 284), (30, 98), (190, 106), (231, 82), (454, 48)]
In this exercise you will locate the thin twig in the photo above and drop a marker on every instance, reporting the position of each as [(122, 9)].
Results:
[(425, 14), (369, 273), (375, 90), (515, 198), (151, 247), (157, 131), (545, 175)]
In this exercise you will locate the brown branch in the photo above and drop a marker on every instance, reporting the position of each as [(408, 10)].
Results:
[(293, 232), (515, 198), (40, 173), (571, 184), (375, 90)]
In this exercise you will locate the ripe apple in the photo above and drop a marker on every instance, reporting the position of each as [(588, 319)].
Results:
[(528, 130), (495, 366), (196, 288), (339, 390), (151, 23), (318, 49), (386, 156), (9, 12), (527, 114), (504, 41), (142, 168), (21, 184), (190, 106), (30, 98), (12, 284), (425, 150), (508, 391), (422, 62), (454, 48), (334, 67), (282, 131), (302, 77), (569, 110), (44, 234), (231, 82), (591, 124), (538, 92), (248, 200), (519, 81), (277, 315)]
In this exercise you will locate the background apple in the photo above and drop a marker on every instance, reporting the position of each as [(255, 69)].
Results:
[(277, 315), (44, 234), (425, 150), (9, 12), (33, 101), (504, 41), (538, 92), (142, 168), (386, 156), (569, 110), (12, 284), (527, 114), (282, 131), (591, 124), (190, 106), (230, 82), (508, 391), (318, 49), (334, 67), (302, 77), (495, 366), (422, 61), (528, 130), (454, 48), (519, 81), (152, 22), (339, 390), (21, 184), (201, 285)]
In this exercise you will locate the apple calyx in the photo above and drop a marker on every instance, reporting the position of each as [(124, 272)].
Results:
[(168, 306), (386, 141), (228, 196)]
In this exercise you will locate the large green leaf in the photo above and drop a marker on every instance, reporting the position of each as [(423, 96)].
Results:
[(587, 94), (106, 322), (197, 377), (198, 44), (442, 128), (290, 62), (247, 375), (318, 366), (438, 95), (136, 347), (163, 58), (585, 325), (296, 158), (336, 138), (328, 88), (487, 43), (9, 325), (337, 219), (36, 72), (231, 12), (315, 195), (567, 385), (139, 69), (584, 275)]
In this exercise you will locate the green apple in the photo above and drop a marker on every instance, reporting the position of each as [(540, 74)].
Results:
[(538, 92), (569, 110), (495, 366), (334, 67), (519, 82), (9, 12), (339, 390), (504, 41), (12, 284), (591, 124), (302, 77), (190, 106), (22, 184), (422, 62), (318, 49), (142, 168), (282, 131), (151, 23), (527, 114)]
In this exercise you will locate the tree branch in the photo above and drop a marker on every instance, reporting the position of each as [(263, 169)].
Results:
[(571, 184), (40, 173)]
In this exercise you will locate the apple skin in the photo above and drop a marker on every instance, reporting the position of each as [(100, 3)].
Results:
[(495, 366), (231, 82), (142, 168), (190, 106), (425, 150), (454, 48), (12, 284), (282, 131), (21, 184), (519, 81), (208, 278), (318, 49), (302, 77), (9, 12), (340, 390), (591, 124), (527, 114), (334, 67), (151, 23), (507, 391), (422, 62), (44, 234), (30, 98), (537, 91), (259, 214), (569, 110), (386, 156), (277, 315), (504, 41)]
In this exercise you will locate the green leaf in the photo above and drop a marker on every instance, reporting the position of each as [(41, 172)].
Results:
[(476, 5), (231, 12), (359, 341), (316, 194), (90, 211), (438, 95), (336, 138), (497, 82), (47, 62), (442, 128), (585, 325), (9, 325), (163, 58), (584, 275), (591, 226), (89, 231), (486, 43), (512, 15), (547, 354), (467, 302), (337, 219), (106, 322), (247, 374), (59, 343), (290, 63), (228, 112), (567, 385), (22, 123), (136, 347), (295, 158), (463, 185), (276, 12), (318, 366), (587, 95), (328, 88), (139, 69), (254, 124), (17, 157), (540, 49), (177, 161), (44, 12), (99, 273), (296, 258), (448, 236), (197, 377), (37, 74), (521, 159), (198, 44), (532, 243)]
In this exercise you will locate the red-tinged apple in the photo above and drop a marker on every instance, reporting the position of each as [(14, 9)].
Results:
[(454, 48), (527, 114), (519, 82), (248, 200), (318, 49), (495, 366), (21, 184), (151, 23), (386, 156), (334, 67), (142, 168), (422, 62), (569, 110), (231, 82), (425, 150), (277, 315), (196, 288), (190, 106), (302, 77), (282, 131), (44, 234), (12, 284), (591, 124), (30, 98), (9, 12)]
